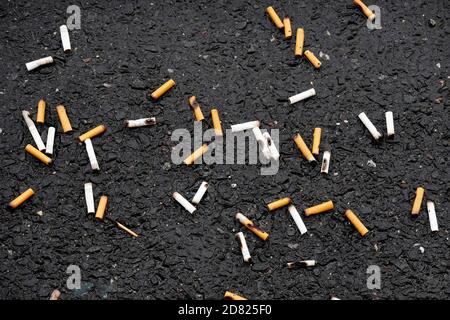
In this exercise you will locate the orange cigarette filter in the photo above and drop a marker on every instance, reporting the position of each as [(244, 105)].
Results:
[(275, 18), (41, 111), (163, 89), (216, 122), (121, 226), (418, 200), (63, 118), (313, 59), (195, 106), (367, 12), (196, 154), (301, 145), (287, 28), (278, 204), (326, 206), (101, 208), (232, 296), (92, 133), (356, 222), (37, 154), (299, 40), (316, 140), (251, 226), (21, 199)]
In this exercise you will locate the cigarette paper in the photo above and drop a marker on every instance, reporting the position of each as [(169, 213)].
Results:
[(356, 222), (251, 226), (101, 208), (65, 38), (140, 122), (432, 216), (301, 145), (195, 155), (287, 28), (301, 264), (262, 142), (121, 226), (325, 206), (278, 204), (50, 140), (63, 118), (316, 141), (244, 247), (273, 152), (92, 133), (37, 63), (37, 154), (91, 154), (40, 117), (163, 89), (369, 125), (313, 59), (182, 200), (89, 195), (232, 296), (299, 40), (367, 12), (55, 295), (297, 219), (335, 298), (418, 200), (195, 107), (390, 124), (274, 17), (200, 192), (216, 122), (244, 126), (32, 128), (21, 199), (325, 162), (302, 96)]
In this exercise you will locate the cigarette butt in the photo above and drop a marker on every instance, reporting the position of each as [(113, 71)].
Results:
[(334, 298), (195, 106), (50, 140), (182, 200), (273, 151), (299, 40), (245, 126), (63, 118), (369, 125), (390, 124), (163, 89), (297, 219), (92, 133), (140, 122), (302, 96), (101, 208), (356, 222), (263, 143), (325, 206), (325, 162), (278, 204), (367, 12), (301, 145), (301, 264), (37, 63), (244, 248), (38, 154), (21, 199), (275, 18), (200, 193), (316, 141), (55, 295), (65, 39), (40, 117), (313, 59), (121, 226), (232, 296), (432, 216), (418, 200), (216, 122), (91, 154), (89, 195), (287, 28), (251, 226), (33, 130), (195, 155)]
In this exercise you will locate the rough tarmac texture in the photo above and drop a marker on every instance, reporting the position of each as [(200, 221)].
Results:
[(232, 57)]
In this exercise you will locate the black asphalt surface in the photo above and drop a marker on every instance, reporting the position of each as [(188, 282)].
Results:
[(231, 56)]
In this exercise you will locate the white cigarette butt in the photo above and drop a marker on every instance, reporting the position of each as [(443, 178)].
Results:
[(325, 162), (65, 38), (297, 219), (302, 96), (50, 140), (335, 298), (244, 247), (89, 195), (432, 216), (140, 122), (200, 193), (182, 200), (369, 125), (262, 142), (244, 126), (274, 154), (390, 123), (37, 63), (34, 133), (91, 154)]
